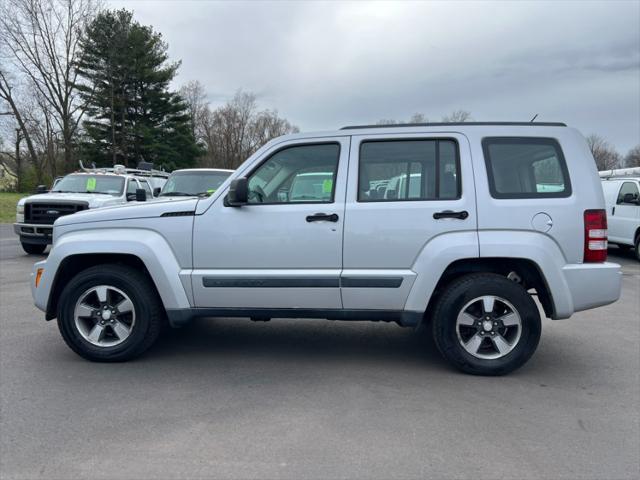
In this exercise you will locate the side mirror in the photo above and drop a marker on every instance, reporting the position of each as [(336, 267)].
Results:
[(141, 195), (630, 198), (42, 189), (238, 192), (156, 191)]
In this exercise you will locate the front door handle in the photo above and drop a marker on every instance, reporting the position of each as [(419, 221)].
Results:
[(323, 217), (451, 214)]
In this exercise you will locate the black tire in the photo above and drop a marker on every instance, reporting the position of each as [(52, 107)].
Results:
[(462, 291), (33, 248), (150, 314)]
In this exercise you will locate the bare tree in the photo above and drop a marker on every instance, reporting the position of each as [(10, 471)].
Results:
[(603, 153), (457, 116), (237, 129), (195, 96), (7, 98), (267, 125), (632, 159), (418, 118), (387, 121), (41, 38)]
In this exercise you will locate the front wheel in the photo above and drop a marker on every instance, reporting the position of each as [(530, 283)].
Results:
[(33, 248), (110, 313), (486, 324)]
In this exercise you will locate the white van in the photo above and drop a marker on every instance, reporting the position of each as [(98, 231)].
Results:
[(622, 198)]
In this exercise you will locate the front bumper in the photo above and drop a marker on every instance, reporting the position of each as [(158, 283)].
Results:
[(34, 233)]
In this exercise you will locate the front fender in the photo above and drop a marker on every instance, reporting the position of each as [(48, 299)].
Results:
[(149, 246)]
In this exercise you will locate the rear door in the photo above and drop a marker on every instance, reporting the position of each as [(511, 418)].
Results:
[(404, 190)]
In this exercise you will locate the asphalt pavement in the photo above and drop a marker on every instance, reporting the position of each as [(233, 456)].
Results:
[(230, 398)]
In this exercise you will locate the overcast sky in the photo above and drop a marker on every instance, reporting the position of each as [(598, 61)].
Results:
[(325, 65)]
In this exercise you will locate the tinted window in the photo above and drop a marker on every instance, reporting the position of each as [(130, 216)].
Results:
[(298, 174), (627, 187), (408, 170), (525, 168)]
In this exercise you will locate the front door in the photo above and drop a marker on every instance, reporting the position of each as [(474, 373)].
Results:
[(284, 249)]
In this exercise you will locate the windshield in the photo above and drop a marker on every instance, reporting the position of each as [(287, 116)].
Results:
[(194, 183), (108, 184)]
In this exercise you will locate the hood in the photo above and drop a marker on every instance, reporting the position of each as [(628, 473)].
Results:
[(130, 211), (94, 200)]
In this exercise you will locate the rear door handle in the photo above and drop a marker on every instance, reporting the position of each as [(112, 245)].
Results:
[(323, 217), (451, 214)]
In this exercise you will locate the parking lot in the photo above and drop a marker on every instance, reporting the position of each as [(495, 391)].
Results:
[(230, 398)]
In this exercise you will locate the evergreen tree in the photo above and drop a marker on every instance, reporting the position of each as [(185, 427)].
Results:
[(133, 116)]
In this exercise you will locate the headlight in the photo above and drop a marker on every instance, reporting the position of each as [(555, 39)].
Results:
[(20, 209)]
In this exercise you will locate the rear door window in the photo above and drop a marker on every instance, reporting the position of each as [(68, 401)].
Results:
[(396, 170), (525, 167)]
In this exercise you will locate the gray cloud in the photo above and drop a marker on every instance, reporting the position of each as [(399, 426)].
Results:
[(324, 65)]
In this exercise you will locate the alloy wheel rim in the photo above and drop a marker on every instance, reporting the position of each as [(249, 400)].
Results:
[(488, 327), (104, 316)]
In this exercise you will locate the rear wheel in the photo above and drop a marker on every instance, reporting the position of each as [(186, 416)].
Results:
[(33, 248), (486, 324), (110, 313)]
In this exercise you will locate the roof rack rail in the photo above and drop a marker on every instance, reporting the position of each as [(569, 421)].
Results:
[(620, 173), (448, 124), (121, 170)]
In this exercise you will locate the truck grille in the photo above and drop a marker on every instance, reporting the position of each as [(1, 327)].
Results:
[(47, 213)]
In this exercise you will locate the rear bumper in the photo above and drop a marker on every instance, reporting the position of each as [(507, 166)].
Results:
[(34, 233), (592, 285)]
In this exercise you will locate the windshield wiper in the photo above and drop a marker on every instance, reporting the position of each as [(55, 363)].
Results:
[(175, 194)]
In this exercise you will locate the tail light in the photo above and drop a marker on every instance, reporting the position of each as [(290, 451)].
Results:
[(595, 236)]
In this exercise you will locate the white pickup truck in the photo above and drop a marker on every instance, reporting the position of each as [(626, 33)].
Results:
[(84, 190), (488, 217)]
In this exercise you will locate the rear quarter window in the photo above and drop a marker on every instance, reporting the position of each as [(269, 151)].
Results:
[(525, 167)]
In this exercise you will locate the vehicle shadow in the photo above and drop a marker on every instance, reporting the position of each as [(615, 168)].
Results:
[(298, 340), (617, 253)]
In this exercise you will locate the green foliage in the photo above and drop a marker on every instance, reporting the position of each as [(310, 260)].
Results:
[(133, 116), (8, 203)]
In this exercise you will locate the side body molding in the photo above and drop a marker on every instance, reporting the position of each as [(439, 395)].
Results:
[(148, 245)]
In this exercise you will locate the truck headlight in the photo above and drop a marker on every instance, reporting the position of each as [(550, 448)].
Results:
[(20, 214)]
